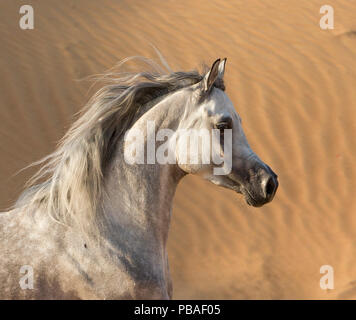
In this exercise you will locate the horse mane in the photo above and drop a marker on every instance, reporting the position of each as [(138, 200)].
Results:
[(70, 179)]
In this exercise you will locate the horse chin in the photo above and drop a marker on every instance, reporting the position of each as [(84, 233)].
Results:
[(250, 200)]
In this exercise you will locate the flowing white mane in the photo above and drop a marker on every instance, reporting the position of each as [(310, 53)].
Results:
[(71, 178)]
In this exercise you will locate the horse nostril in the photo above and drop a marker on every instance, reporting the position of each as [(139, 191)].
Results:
[(270, 187)]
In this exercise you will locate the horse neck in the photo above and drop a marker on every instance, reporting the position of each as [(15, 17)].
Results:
[(138, 200)]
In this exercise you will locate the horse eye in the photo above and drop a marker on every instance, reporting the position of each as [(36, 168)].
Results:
[(222, 125)]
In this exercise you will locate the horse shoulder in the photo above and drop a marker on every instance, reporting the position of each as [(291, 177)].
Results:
[(36, 262)]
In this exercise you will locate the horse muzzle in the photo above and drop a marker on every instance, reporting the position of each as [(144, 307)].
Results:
[(261, 186)]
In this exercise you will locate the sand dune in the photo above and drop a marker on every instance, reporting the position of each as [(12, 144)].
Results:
[(292, 83)]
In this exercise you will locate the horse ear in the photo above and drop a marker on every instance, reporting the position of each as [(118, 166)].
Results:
[(211, 76), (222, 68), (216, 72)]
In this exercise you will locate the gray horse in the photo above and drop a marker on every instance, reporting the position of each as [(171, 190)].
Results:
[(93, 225)]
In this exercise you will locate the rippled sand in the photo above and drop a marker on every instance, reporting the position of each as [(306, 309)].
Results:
[(293, 84)]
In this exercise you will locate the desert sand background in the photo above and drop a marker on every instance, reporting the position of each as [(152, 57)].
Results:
[(293, 84)]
